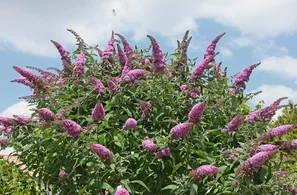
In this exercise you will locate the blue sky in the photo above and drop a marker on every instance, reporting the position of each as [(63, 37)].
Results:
[(256, 31)]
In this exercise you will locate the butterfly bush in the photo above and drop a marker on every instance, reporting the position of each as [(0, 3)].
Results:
[(98, 112), (204, 170), (103, 153), (149, 122), (73, 129), (149, 145), (130, 123)]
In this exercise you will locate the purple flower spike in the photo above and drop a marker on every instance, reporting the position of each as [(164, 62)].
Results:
[(98, 112), (122, 56), (98, 85), (102, 152), (164, 152), (253, 164), (210, 50), (133, 75), (5, 121), (266, 148), (121, 191), (127, 48), (24, 81), (130, 123), (281, 130), (149, 145), (196, 112), (180, 130), (158, 56), (233, 124), (46, 114), (199, 70), (64, 55), (113, 88), (127, 67), (79, 66), (264, 114), (204, 170), (109, 49), (73, 129), (243, 77), (27, 74), (21, 120)]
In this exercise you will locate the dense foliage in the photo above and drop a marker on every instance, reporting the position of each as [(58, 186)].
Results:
[(14, 181), (121, 121)]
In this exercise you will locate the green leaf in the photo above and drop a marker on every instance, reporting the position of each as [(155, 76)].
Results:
[(176, 167), (170, 187), (194, 189), (140, 183), (107, 186)]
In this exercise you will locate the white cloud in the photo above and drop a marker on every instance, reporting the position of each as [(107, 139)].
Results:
[(36, 22), (285, 66), (270, 93), (243, 41), (226, 52), (20, 108)]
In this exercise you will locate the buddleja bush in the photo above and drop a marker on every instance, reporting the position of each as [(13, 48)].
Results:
[(15, 181), (120, 121)]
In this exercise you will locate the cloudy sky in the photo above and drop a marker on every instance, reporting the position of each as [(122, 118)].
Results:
[(256, 31)]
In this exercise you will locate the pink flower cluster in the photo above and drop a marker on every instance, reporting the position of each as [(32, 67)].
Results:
[(264, 114), (204, 170), (159, 59), (133, 75), (281, 130), (241, 78), (21, 120), (233, 124), (196, 112), (5, 121), (122, 191), (46, 114), (29, 75), (62, 174), (199, 70), (210, 50), (98, 112), (112, 86), (163, 152), (149, 145), (24, 81), (64, 55), (180, 130), (122, 56), (127, 48), (73, 129), (130, 123), (79, 66), (102, 152), (266, 148), (99, 87), (253, 164), (109, 49)]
